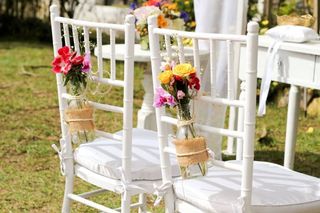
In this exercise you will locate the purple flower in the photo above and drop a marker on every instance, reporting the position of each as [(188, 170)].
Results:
[(86, 64), (185, 16), (163, 98), (180, 94), (133, 5)]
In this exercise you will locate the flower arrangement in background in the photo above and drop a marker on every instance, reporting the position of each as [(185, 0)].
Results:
[(169, 16), (187, 12), (179, 85), (75, 68)]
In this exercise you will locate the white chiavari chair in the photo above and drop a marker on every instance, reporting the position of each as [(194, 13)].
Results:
[(230, 186), (125, 162)]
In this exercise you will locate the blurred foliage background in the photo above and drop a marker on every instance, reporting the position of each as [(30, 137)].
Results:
[(266, 11), (29, 19)]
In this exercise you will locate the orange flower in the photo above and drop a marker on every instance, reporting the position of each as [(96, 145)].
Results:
[(162, 22)]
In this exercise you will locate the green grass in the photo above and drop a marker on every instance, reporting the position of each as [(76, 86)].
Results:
[(30, 180)]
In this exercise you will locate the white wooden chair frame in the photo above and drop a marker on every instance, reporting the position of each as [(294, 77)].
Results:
[(70, 170), (247, 102)]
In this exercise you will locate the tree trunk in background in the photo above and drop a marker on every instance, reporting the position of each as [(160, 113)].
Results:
[(316, 14), (67, 7), (267, 9), (22, 9)]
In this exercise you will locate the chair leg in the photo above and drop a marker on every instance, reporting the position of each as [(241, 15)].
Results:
[(169, 200), (125, 203), (143, 200), (66, 206)]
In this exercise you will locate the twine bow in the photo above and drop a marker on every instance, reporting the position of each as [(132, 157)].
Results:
[(73, 97), (182, 123), (160, 191), (78, 120), (125, 186), (62, 158)]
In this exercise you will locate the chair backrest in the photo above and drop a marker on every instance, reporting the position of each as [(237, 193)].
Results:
[(61, 24), (247, 102)]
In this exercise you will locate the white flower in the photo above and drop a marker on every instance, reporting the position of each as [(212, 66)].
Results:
[(177, 13), (142, 13), (177, 24)]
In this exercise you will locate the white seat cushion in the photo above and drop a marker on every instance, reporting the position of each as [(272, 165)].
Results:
[(103, 156), (275, 189)]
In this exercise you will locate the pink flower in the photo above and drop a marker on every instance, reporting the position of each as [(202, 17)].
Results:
[(163, 98), (180, 94), (170, 100), (86, 64)]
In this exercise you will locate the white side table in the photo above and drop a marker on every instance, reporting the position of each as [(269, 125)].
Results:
[(297, 64), (146, 115)]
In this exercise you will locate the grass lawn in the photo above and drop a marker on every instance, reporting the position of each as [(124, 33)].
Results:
[(30, 179)]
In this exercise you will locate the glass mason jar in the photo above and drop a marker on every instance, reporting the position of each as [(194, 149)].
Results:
[(144, 42), (79, 117), (186, 133), (145, 45)]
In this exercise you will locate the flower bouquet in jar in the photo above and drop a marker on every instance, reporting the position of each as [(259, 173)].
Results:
[(179, 85), (169, 16), (79, 115)]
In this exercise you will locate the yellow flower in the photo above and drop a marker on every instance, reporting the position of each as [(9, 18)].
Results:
[(193, 24), (183, 70), (265, 22), (172, 6), (187, 41), (162, 22), (165, 77)]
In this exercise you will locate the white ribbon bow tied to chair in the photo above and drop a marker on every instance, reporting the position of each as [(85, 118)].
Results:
[(62, 158), (126, 186), (266, 78), (160, 191)]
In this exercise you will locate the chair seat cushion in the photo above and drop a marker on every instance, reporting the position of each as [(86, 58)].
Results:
[(275, 189), (103, 156)]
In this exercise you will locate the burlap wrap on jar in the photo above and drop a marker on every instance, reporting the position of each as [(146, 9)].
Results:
[(79, 119), (191, 151)]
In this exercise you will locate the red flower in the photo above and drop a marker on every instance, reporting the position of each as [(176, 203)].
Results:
[(76, 60), (64, 52), (177, 78), (62, 63), (194, 82), (152, 3)]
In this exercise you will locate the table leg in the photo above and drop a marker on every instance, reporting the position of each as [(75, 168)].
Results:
[(146, 115), (292, 124)]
